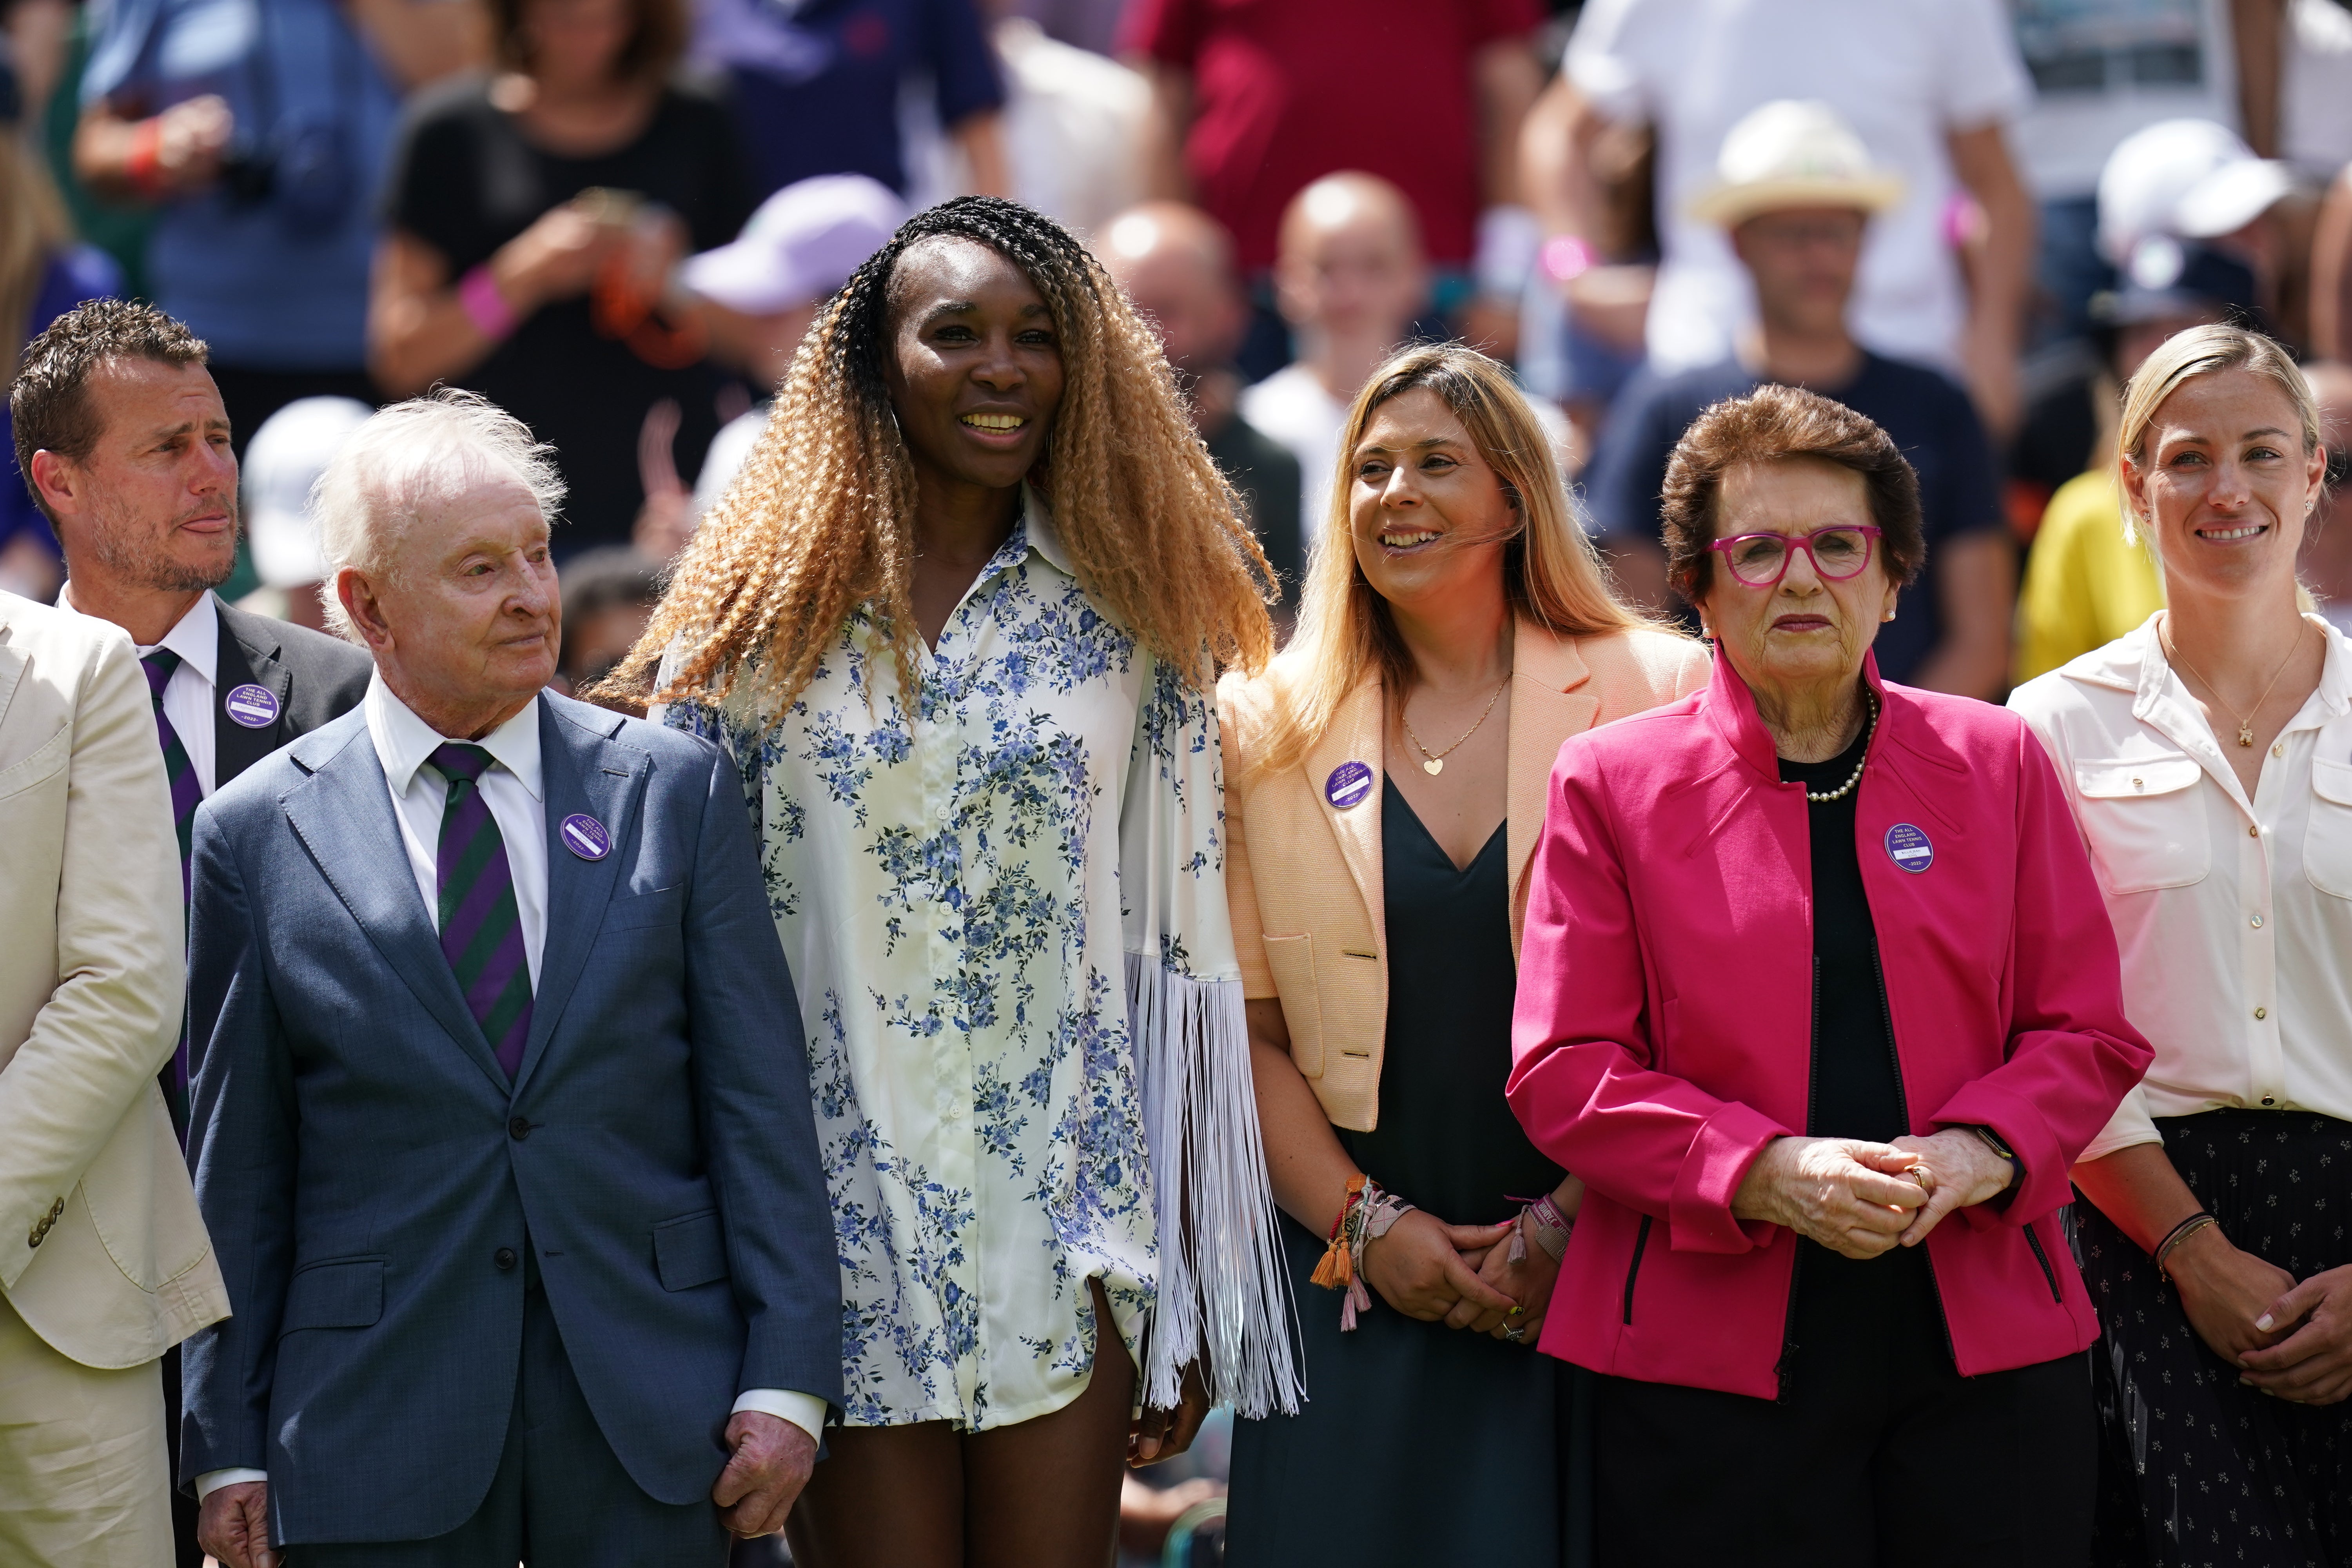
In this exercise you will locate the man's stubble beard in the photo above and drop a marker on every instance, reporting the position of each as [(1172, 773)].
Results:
[(151, 571)]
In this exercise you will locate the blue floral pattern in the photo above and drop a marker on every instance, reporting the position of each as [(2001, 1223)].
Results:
[(949, 886)]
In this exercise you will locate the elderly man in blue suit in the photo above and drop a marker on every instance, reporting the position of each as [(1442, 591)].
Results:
[(501, 1120)]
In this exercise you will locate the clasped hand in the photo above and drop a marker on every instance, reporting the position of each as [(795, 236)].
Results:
[(1859, 1198)]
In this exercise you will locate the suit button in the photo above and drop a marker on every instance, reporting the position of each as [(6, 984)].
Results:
[(518, 1129), (504, 1258)]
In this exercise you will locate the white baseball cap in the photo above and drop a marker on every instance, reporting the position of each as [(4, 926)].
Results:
[(802, 244), (282, 462), (2189, 179), (1793, 154)]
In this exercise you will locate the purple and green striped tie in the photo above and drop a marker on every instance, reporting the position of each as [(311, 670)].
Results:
[(481, 929), (186, 795)]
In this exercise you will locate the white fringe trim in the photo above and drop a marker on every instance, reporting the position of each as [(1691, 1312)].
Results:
[(1223, 1285)]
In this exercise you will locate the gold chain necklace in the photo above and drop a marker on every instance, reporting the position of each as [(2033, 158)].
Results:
[(1434, 761), (2246, 723)]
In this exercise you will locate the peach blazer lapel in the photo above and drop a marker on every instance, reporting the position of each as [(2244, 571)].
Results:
[(1546, 710), (1355, 737)]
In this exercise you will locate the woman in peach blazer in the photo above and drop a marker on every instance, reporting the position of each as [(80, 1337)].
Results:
[(1385, 785)]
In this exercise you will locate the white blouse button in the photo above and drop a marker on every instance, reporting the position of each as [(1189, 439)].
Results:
[(2261, 1012), (2277, 750), (2258, 922)]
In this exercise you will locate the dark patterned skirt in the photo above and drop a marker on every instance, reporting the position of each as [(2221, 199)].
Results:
[(2196, 1471)]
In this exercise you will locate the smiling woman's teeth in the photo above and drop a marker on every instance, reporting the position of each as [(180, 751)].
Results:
[(994, 421), (1405, 540), (2245, 530)]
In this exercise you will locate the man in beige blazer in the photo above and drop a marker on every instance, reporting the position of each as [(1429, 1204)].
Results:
[(103, 1260)]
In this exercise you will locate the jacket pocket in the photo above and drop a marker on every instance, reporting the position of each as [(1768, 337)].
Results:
[(690, 1250), (341, 1293), (2328, 839), (1634, 1269), (47, 762), (2049, 1275), (1292, 960), (662, 907), (2145, 820)]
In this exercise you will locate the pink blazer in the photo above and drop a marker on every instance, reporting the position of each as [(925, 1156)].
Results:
[(1664, 1020)]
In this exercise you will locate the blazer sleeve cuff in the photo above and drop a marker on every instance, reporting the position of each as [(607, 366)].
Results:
[(806, 1411), (1700, 1218)]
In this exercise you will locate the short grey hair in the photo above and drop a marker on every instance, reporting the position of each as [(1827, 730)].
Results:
[(413, 458)]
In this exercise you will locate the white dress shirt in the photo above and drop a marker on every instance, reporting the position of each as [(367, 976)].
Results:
[(2233, 915), (514, 788)]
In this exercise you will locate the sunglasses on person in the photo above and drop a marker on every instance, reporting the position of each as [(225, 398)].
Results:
[(1761, 559)]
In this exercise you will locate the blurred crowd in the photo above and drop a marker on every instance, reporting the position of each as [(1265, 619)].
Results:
[(1968, 219)]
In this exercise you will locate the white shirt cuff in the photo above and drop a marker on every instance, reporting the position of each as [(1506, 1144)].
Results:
[(212, 1481), (806, 1411)]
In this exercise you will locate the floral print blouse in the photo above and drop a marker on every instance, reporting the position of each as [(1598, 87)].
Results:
[(1005, 916)]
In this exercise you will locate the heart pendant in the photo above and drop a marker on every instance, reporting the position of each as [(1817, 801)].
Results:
[(1434, 766)]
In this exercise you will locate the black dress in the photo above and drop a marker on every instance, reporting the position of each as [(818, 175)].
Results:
[(465, 180), (1420, 1443)]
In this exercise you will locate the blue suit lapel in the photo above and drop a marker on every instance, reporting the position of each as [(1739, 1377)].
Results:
[(344, 815), (583, 772)]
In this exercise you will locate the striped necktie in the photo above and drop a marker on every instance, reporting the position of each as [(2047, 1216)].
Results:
[(482, 930), (181, 773)]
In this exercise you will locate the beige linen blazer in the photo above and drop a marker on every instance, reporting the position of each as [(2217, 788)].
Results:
[(1303, 875), (101, 1251)]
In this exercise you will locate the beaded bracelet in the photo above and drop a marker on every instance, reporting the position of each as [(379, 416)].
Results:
[(2180, 1233)]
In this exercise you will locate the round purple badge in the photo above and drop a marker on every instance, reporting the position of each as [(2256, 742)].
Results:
[(1349, 783), (585, 836), (255, 707), (1908, 847)]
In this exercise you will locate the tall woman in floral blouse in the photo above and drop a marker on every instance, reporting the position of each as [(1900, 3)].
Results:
[(958, 620)]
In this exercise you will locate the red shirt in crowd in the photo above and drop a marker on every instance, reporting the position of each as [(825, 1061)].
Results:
[(1285, 91)]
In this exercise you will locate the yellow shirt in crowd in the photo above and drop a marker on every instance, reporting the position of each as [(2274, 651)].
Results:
[(2086, 583)]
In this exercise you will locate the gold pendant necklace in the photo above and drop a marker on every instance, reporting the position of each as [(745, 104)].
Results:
[(2246, 723), (1433, 762)]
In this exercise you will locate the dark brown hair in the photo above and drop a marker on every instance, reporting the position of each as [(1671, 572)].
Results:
[(652, 52), (1772, 424), (50, 401)]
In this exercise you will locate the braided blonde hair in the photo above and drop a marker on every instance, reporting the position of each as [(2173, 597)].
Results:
[(820, 521)]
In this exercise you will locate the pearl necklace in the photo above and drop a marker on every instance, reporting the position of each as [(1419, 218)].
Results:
[(1854, 778)]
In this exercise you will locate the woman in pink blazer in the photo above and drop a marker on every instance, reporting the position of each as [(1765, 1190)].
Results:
[(1818, 997)]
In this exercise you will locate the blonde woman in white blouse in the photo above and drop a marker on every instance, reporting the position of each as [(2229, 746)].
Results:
[(2209, 756)]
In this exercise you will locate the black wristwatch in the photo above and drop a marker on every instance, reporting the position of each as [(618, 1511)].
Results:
[(1993, 1142)]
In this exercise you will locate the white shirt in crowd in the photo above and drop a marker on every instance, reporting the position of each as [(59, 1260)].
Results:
[(1291, 407), (2234, 916), (514, 789), (1905, 74), (2102, 71)]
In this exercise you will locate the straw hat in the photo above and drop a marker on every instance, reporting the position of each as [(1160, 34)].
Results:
[(1792, 154)]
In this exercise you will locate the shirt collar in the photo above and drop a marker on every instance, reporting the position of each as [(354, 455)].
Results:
[(196, 638), (404, 742), (1037, 523), (2137, 658)]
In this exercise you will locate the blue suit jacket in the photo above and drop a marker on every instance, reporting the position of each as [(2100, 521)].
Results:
[(370, 1177)]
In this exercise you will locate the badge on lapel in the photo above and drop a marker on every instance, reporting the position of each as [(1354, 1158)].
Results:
[(255, 707), (1908, 847), (1349, 783), (585, 836)]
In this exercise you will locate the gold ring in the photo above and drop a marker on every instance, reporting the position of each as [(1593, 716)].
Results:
[(1919, 1175), (1513, 1312)]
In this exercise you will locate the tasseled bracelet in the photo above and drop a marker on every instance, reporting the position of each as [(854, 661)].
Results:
[(1365, 1215), (1551, 1230)]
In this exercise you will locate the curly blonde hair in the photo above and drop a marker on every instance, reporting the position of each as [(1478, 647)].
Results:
[(820, 521)]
